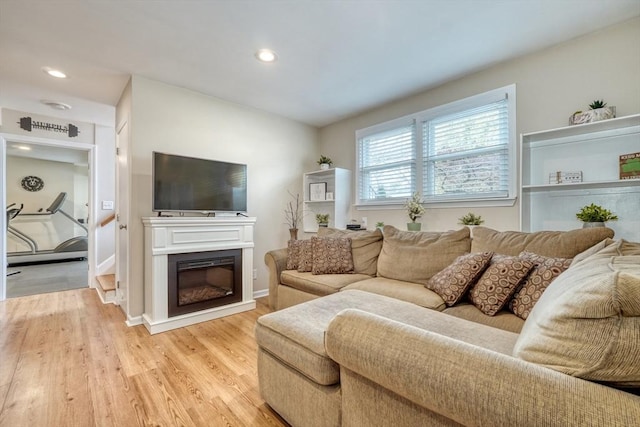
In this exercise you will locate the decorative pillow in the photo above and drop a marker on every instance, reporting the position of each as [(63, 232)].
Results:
[(293, 254), (305, 260), (331, 255), (544, 271), (365, 247), (417, 256), (586, 323), (557, 244), (455, 280), (498, 283)]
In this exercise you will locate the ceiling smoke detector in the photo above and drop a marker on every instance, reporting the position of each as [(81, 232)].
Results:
[(56, 105)]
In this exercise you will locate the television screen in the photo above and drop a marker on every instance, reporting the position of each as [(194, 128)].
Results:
[(183, 184)]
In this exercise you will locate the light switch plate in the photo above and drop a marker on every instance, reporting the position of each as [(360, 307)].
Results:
[(107, 204)]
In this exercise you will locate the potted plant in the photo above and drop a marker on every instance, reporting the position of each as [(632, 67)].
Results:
[(293, 215), (325, 162), (471, 219), (379, 225), (598, 111), (414, 210), (595, 216), (322, 220)]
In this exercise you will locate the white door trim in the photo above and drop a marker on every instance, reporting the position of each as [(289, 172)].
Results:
[(82, 146)]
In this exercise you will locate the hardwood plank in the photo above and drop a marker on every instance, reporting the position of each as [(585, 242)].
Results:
[(69, 360)]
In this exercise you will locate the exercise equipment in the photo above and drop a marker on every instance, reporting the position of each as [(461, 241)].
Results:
[(75, 247), (12, 213)]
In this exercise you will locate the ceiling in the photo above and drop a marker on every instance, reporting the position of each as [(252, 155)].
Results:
[(336, 58)]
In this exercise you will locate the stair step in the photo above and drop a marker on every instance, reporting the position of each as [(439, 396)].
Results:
[(107, 282)]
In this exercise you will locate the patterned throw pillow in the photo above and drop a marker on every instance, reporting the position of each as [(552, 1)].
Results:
[(545, 270), (498, 283), (331, 255), (305, 259), (293, 254), (454, 281)]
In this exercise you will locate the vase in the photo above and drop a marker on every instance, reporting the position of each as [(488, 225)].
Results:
[(294, 233), (592, 224), (324, 166), (590, 116), (414, 226)]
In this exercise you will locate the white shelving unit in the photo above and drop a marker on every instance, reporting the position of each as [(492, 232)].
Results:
[(338, 183), (593, 149)]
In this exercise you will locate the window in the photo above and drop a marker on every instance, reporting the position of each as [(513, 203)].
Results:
[(457, 153)]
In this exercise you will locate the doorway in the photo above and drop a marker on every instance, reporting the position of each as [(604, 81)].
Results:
[(48, 199)]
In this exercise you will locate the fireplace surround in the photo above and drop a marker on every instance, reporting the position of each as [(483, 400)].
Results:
[(212, 257)]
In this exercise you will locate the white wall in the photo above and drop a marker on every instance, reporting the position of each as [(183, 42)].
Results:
[(551, 85), (167, 118)]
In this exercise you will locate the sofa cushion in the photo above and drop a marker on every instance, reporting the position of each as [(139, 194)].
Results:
[(322, 284), (498, 283), (417, 256), (293, 254), (454, 281), (503, 319), (559, 244), (587, 322), (331, 255), (305, 256), (545, 271), (404, 291), (365, 247)]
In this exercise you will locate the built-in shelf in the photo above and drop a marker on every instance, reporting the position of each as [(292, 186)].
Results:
[(338, 183), (594, 149)]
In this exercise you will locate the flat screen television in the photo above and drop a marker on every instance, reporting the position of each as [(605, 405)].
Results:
[(188, 184)]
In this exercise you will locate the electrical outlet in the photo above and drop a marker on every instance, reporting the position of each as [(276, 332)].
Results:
[(364, 222), (107, 205)]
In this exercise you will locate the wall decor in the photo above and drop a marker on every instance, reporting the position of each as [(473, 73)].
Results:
[(317, 191), (32, 183), (630, 166)]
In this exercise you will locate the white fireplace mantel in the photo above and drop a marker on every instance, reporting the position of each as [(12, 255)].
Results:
[(175, 235)]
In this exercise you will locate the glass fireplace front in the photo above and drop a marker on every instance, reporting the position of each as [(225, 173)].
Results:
[(201, 280)]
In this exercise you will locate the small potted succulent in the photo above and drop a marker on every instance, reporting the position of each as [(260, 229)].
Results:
[(322, 220), (380, 225), (471, 219), (595, 216), (598, 110), (415, 210), (325, 162)]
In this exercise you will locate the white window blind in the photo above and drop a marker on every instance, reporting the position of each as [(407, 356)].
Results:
[(455, 154), (387, 164), (466, 154)]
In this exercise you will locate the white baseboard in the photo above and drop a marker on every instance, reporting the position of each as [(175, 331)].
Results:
[(261, 293), (134, 321)]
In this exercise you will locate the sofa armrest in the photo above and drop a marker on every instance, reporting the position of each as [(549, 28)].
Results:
[(276, 261), (470, 384)]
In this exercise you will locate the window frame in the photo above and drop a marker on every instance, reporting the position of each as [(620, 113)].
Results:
[(417, 119)]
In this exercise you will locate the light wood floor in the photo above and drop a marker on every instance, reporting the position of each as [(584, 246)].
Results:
[(68, 360)]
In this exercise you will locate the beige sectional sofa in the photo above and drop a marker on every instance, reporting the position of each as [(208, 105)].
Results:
[(379, 348)]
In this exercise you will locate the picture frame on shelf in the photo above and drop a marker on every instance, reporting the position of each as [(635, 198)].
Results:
[(317, 191)]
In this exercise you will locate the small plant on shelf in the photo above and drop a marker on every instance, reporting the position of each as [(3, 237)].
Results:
[(322, 220), (598, 103), (324, 160), (595, 213), (471, 219)]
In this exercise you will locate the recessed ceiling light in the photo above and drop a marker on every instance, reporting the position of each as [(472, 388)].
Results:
[(56, 105), (266, 55), (54, 73)]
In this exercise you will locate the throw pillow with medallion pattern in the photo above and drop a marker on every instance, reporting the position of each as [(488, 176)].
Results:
[(453, 282)]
